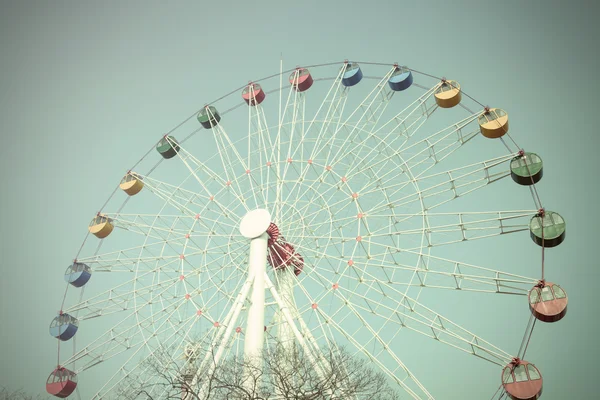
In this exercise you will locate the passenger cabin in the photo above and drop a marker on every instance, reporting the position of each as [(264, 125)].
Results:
[(547, 229), (253, 94), (301, 79), (401, 79), (209, 117), (61, 382), (548, 303), (131, 183), (167, 147), (526, 169), (101, 226), (78, 274), (522, 381), (351, 74), (448, 94), (493, 123), (64, 327)]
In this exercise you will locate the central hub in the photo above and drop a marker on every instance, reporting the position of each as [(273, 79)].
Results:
[(282, 254)]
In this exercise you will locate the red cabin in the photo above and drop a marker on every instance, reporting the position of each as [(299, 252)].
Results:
[(61, 382), (301, 79), (548, 302), (522, 380), (253, 94)]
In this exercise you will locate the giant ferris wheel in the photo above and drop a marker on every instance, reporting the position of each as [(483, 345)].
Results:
[(309, 210)]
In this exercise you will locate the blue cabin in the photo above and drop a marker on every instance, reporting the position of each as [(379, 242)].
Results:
[(351, 74), (64, 327), (77, 274), (401, 79)]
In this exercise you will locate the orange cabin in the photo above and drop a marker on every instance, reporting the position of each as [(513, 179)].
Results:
[(131, 183), (493, 123), (101, 226), (448, 94)]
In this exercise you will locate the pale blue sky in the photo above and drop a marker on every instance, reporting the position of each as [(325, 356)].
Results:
[(87, 87)]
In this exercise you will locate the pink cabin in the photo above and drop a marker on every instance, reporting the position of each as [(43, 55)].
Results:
[(548, 302), (61, 382), (253, 94), (522, 380), (301, 79)]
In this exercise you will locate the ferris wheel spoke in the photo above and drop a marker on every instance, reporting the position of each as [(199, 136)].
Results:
[(283, 110), (416, 391), (129, 260), (416, 159), (221, 138), (289, 315), (125, 260), (432, 272), (161, 228), (459, 227), (368, 112), (295, 129), (448, 185), (372, 107), (423, 155), (120, 298), (406, 123), (376, 297), (211, 296), (234, 164), (167, 229), (314, 218), (118, 339), (181, 199), (327, 177), (258, 130), (207, 217), (437, 272), (220, 185), (330, 113), (410, 314)]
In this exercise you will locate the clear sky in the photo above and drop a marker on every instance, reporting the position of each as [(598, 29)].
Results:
[(87, 87)]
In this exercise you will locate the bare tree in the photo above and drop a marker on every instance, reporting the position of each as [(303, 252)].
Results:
[(7, 394), (280, 373)]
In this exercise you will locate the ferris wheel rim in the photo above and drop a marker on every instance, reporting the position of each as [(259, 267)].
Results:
[(415, 182)]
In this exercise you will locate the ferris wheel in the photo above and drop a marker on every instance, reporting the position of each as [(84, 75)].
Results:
[(311, 211)]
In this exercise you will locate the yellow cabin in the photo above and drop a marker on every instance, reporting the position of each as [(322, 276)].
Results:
[(493, 123), (448, 94), (101, 226), (131, 183)]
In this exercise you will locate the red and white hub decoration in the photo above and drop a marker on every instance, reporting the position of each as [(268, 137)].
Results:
[(282, 254)]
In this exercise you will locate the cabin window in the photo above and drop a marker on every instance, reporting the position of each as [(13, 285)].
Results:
[(558, 292), (507, 376), (547, 294), (520, 373), (533, 372)]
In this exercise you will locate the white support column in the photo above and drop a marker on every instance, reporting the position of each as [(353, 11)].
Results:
[(285, 287), (254, 334), (254, 227)]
